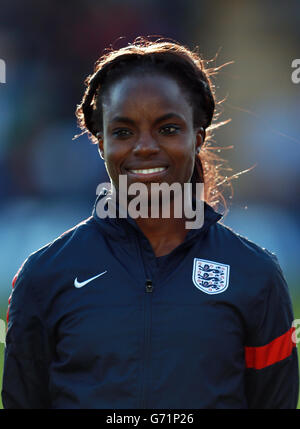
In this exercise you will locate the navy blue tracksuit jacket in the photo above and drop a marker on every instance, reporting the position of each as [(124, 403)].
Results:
[(95, 320)]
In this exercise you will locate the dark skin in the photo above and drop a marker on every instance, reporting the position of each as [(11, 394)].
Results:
[(148, 123)]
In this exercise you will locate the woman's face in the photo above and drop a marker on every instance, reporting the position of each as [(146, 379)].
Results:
[(148, 124)]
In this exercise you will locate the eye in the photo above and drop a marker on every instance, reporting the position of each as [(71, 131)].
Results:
[(122, 132), (169, 130)]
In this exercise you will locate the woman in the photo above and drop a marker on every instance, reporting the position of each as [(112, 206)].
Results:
[(145, 313)]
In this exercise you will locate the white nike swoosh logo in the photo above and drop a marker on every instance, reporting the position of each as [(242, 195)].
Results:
[(80, 284)]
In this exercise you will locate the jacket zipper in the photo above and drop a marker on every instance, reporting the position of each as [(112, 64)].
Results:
[(148, 289), (147, 339)]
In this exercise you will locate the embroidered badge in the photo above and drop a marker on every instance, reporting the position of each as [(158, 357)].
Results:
[(210, 277)]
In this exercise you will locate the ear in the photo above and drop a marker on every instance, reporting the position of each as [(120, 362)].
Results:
[(200, 137), (100, 144)]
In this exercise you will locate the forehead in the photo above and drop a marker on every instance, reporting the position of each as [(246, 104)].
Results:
[(139, 93)]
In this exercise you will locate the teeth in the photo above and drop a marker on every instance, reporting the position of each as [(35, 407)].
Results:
[(148, 170)]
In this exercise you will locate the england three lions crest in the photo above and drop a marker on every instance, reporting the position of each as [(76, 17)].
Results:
[(210, 277)]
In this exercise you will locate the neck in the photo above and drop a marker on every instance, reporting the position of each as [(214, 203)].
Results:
[(163, 234)]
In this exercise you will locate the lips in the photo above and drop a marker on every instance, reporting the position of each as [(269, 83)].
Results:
[(143, 170)]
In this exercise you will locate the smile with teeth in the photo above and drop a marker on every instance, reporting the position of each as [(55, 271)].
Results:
[(148, 170)]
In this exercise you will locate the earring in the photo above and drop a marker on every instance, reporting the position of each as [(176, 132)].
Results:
[(198, 150)]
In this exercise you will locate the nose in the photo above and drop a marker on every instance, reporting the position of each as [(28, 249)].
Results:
[(145, 146)]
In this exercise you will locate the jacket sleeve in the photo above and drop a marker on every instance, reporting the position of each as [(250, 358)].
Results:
[(25, 374), (272, 378)]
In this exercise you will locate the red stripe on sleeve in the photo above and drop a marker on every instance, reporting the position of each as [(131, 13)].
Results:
[(9, 299), (15, 279), (275, 351)]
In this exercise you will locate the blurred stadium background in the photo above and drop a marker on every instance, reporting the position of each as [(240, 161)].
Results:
[(48, 181)]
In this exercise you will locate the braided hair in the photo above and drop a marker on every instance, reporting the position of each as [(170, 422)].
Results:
[(178, 62)]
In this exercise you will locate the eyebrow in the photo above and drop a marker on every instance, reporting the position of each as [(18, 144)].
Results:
[(129, 121)]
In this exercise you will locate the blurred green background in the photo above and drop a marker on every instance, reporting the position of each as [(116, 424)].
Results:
[(48, 182)]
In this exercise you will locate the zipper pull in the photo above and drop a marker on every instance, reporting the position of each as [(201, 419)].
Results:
[(149, 286)]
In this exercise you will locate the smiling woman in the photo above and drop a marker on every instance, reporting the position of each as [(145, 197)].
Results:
[(147, 313), (185, 84), (148, 107), (158, 142)]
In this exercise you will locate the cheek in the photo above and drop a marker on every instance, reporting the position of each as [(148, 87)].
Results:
[(186, 160), (114, 155)]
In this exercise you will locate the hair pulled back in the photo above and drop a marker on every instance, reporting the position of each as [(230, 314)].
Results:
[(173, 60)]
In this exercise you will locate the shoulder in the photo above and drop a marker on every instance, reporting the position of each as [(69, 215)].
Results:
[(56, 254), (244, 251), (255, 272)]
